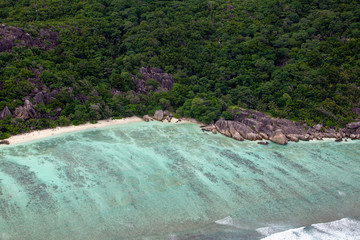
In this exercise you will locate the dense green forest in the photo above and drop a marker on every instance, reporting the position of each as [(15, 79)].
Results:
[(296, 59)]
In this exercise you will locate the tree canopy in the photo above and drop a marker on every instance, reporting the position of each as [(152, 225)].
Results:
[(296, 59)]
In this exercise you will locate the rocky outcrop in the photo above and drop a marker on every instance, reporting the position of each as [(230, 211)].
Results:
[(4, 113), (13, 36), (165, 81), (223, 128), (353, 125), (278, 137), (147, 118), (4, 142), (159, 115), (253, 125), (39, 98), (26, 112), (236, 130)]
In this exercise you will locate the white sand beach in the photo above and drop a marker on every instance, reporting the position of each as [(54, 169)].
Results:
[(38, 134), (35, 135)]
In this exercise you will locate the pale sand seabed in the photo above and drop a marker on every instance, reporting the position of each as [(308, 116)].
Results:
[(39, 134)]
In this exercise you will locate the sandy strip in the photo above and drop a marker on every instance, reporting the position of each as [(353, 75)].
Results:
[(35, 135)]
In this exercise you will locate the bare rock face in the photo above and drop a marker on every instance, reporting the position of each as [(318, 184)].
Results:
[(278, 137), (159, 115), (256, 125), (26, 112), (318, 127), (237, 136), (253, 125), (353, 125), (222, 127), (13, 36), (4, 113), (293, 137), (165, 80), (234, 132), (245, 131), (39, 98), (21, 112), (146, 118), (264, 135)]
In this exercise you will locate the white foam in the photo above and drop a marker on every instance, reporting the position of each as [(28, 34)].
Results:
[(267, 231), (343, 229), (341, 193), (172, 237), (226, 221)]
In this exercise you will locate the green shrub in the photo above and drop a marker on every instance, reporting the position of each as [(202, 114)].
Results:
[(227, 115)]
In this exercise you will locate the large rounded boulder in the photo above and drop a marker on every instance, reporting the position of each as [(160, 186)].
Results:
[(278, 137)]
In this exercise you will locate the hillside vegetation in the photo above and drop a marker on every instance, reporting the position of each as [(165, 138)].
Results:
[(64, 62)]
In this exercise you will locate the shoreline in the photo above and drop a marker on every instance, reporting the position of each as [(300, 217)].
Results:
[(44, 133)]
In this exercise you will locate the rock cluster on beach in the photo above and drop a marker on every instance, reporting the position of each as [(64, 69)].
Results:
[(4, 142), (159, 115), (252, 125)]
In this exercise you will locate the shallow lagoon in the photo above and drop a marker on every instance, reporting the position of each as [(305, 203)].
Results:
[(171, 181)]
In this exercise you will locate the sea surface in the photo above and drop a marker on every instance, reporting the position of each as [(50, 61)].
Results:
[(172, 181)]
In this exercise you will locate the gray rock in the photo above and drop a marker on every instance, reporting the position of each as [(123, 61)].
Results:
[(293, 137), (27, 104), (159, 115), (5, 142), (39, 98), (318, 127), (304, 137), (165, 80), (146, 118), (278, 137), (254, 124), (222, 127), (244, 130), (25, 112), (353, 125), (4, 113), (264, 135), (21, 112)]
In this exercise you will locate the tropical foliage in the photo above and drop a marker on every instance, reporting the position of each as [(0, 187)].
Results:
[(296, 59)]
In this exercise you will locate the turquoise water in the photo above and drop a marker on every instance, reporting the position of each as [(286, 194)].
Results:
[(171, 181)]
